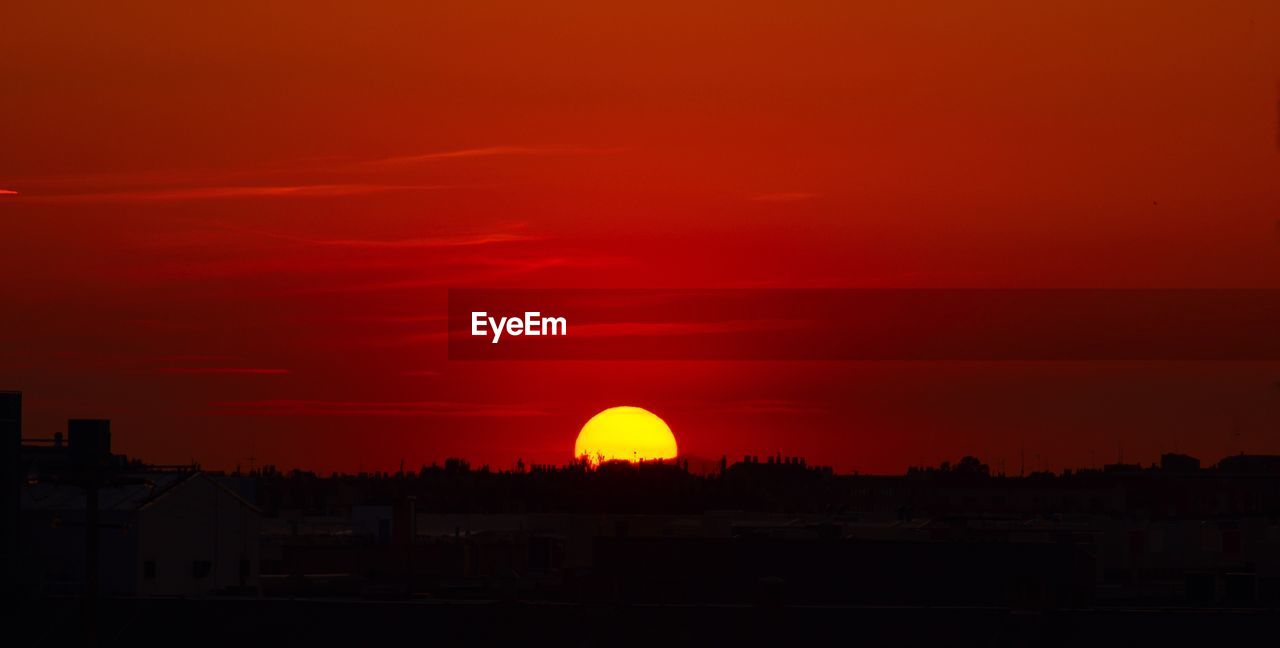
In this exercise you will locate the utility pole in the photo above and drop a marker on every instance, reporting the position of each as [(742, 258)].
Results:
[(413, 532), (92, 585), (89, 443), (11, 455)]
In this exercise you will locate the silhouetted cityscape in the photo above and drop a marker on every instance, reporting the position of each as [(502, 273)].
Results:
[(452, 549)]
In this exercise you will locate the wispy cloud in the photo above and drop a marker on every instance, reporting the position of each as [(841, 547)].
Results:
[(786, 196), (160, 177), (438, 409), (240, 191), (909, 279), (444, 241), (398, 319), (258, 182), (409, 340), (490, 151), (376, 271), (763, 406), (489, 270), (223, 371), (646, 329), (197, 357)]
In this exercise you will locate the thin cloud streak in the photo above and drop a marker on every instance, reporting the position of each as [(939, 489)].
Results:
[(766, 406), (464, 240), (357, 274), (198, 357), (213, 183), (223, 371), (241, 191), (398, 319), (490, 151), (504, 270), (647, 329), (436, 409), (794, 196)]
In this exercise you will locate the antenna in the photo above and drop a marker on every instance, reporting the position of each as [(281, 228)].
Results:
[(1235, 434)]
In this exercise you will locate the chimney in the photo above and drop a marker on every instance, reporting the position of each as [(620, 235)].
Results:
[(89, 439)]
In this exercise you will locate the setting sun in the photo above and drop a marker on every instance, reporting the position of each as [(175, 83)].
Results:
[(625, 433)]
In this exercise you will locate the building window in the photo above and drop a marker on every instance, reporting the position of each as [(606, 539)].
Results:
[(200, 568), (149, 570)]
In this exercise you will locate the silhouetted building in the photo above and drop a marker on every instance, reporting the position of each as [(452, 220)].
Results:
[(161, 533), (1173, 462), (90, 520), (1251, 464)]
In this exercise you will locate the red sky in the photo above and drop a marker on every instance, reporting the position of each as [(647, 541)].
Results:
[(234, 225)]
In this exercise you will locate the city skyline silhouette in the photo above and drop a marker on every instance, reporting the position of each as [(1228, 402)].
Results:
[(640, 323)]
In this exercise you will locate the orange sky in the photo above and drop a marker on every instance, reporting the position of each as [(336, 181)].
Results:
[(264, 205)]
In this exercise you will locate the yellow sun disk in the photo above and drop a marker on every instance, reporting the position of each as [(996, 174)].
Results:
[(626, 433)]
